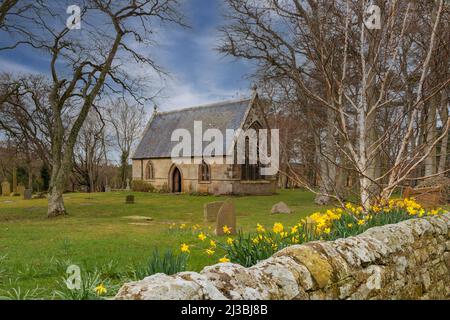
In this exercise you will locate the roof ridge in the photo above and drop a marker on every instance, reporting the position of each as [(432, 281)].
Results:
[(209, 105)]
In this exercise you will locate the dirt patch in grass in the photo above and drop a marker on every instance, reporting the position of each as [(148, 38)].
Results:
[(139, 218)]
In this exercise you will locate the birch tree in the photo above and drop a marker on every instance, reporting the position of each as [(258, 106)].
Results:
[(370, 83)]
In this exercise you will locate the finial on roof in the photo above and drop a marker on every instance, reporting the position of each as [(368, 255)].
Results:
[(155, 108)]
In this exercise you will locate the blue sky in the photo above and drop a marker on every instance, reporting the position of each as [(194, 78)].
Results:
[(198, 73)]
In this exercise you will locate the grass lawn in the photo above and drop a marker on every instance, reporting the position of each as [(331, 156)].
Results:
[(96, 234)]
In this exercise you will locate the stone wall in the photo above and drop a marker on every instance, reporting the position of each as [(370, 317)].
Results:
[(223, 179), (408, 260)]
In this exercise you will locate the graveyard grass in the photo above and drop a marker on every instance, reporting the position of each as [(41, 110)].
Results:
[(35, 251)]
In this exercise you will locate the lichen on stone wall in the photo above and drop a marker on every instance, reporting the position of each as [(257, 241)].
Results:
[(407, 260)]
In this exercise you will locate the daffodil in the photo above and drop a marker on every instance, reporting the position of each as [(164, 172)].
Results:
[(278, 227), (224, 259), (260, 228), (230, 241), (201, 236), (212, 243), (184, 248), (294, 229), (209, 252), (226, 230), (100, 289)]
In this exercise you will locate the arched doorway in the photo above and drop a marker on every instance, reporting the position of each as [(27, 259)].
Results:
[(176, 180)]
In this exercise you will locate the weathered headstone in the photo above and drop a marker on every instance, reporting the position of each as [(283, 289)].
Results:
[(280, 207), (20, 189), (226, 217), (210, 211), (6, 188), (129, 199), (108, 189), (28, 194), (128, 185), (14, 180)]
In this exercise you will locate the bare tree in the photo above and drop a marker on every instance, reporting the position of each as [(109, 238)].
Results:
[(90, 150), (86, 63), (24, 113), (353, 77), (126, 121), (6, 7)]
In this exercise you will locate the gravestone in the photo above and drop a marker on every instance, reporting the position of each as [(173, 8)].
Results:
[(128, 185), (28, 194), (226, 217), (20, 189), (280, 207), (14, 182), (210, 211), (129, 199), (6, 188), (108, 189)]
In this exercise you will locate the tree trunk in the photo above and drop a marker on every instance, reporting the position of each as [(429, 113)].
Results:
[(124, 168), (55, 199), (430, 135), (56, 203), (326, 153), (444, 142), (365, 193)]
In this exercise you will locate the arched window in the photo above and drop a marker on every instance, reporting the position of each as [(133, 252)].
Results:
[(251, 171), (149, 171), (204, 172)]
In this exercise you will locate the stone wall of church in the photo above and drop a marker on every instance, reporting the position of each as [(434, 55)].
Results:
[(407, 260), (225, 179)]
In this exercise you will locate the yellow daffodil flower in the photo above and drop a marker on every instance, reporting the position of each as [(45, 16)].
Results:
[(226, 230), (278, 227), (184, 248), (202, 236), (260, 228), (100, 289)]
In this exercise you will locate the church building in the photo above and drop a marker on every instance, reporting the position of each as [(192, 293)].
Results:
[(153, 163)]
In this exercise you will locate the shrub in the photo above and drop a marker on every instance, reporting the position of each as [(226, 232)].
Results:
[(142, 186)]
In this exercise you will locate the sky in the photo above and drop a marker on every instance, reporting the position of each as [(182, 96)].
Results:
[(198, 74)]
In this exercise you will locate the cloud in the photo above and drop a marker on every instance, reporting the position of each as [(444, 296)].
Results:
[(179, 95), (10, 66)]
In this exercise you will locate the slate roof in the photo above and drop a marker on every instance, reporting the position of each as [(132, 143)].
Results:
[(156, 142)]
